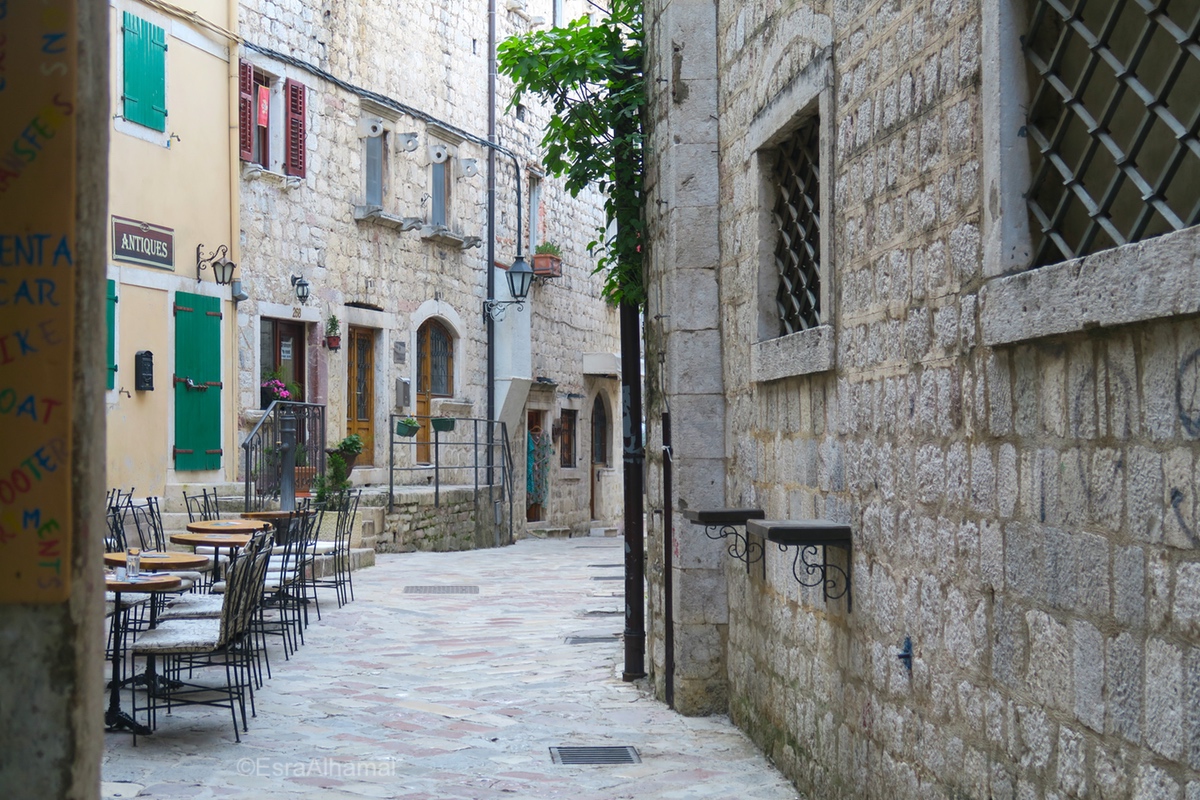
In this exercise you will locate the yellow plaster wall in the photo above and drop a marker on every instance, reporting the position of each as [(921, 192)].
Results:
[(180, 183), (138, 450)]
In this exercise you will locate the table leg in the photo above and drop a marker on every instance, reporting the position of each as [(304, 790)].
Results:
[(115, 719)]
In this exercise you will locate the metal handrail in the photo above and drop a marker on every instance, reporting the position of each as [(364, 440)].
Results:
[(482, 469), (263, 475)]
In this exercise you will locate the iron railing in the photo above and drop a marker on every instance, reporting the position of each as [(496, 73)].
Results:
[(457, 457), (262, 451)]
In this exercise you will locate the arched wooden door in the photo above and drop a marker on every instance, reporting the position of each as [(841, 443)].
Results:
[(360, 390), (435, 377)]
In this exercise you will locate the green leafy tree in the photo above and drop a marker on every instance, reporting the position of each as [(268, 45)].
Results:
[(590, 75)]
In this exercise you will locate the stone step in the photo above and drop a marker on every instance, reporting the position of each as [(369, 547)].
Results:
[(545, 533), (604, 532)]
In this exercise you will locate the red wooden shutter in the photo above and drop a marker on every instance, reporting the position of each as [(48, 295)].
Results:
[(245, 110), (294, 161)]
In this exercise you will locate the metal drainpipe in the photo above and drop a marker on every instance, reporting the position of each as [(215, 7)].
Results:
[(490, 267), (668, 520)]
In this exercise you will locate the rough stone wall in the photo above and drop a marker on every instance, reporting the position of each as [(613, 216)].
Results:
[(438, 66), (1025, 513), (458, 522)]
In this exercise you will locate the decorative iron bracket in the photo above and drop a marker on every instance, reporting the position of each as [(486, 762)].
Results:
[(203, 262), (497, 308), (806, 536), (719, 523)]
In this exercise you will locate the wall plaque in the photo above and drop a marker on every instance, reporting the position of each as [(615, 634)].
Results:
[(142, 243)]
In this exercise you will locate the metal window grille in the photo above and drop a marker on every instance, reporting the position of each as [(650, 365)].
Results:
[(1112, 123), (797, 215)]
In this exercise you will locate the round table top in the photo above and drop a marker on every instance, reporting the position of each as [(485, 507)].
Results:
[(153, 561), (227, 526), (143, 583), (272, 516), (212, 539)]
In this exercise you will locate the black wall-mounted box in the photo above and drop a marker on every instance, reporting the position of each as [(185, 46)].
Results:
[(143, 371)]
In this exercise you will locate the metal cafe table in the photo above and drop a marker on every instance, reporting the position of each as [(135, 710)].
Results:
[(159, 562), (114, 718)]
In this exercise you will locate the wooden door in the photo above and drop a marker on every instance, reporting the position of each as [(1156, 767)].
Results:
[(360, 390), (599, 447), (435, 378)]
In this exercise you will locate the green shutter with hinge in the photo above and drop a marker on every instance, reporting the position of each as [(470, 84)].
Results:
[(197, 382), (144, 94), (110, 320)]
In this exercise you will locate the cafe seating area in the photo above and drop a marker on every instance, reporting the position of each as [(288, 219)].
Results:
[(195, 617)]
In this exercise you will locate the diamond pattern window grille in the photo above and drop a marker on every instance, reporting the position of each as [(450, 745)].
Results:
[(1112, 123), (797, 216)]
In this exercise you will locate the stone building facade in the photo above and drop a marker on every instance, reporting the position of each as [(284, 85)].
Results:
[(1010, 434), (385, 217)]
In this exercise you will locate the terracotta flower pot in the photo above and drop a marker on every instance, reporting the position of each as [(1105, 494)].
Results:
[(333, 342)]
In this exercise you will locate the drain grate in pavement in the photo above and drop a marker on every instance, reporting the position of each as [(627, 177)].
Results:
[(590, 639), (606, 565), (608, 577), (595, 755), (441, 590), (595, 613)]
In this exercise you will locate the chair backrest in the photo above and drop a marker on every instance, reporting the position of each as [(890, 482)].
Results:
[(345, 520), (211, 507), (147, 519), (245, 587), (195, 507), (114, 534)]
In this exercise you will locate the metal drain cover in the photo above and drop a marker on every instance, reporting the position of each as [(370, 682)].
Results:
[(611, 566), (441, 590), (590, 639), (595, 755), (608, 577), (597, 613)]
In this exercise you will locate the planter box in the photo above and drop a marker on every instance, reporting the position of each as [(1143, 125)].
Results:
[(442, 424), (406, 430), (546, 265)]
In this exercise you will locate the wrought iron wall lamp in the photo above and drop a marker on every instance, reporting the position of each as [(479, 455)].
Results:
[(222, 267), (520, 277)]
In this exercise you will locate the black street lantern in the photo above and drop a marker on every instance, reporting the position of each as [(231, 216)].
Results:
[(520, 278), (302, 288)]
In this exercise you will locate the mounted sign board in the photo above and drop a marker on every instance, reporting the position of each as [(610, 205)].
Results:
[(142, 243), (37, 249)]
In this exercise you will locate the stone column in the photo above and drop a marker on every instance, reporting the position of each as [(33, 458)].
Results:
[(683, 360)]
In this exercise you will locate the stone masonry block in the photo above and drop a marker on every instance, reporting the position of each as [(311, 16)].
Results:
[(692, 366), (1050, 661), (1123, 687), (1088, 675), (1165, 697), (700, 597)]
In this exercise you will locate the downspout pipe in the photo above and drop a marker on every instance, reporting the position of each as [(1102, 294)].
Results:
[(491, 239)]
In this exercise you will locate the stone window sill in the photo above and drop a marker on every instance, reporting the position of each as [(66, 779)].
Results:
[(1146, 280), (252, 172), (802, 353), (376, 215)]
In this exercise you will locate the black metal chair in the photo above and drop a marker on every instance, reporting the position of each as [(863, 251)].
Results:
[(345, 507)]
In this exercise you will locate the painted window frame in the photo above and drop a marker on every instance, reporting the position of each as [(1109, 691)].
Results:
[(287, 126), (151, 39)]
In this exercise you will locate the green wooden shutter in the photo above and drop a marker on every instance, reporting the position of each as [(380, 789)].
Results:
[(144, 97), (197, 382), (110, 320)]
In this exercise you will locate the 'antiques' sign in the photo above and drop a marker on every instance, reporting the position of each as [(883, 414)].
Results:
[(143, 243)]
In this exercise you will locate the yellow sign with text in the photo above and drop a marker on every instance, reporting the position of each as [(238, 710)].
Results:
[(38, 80)]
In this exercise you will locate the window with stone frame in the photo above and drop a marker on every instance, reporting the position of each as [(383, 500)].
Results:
[(797, 218), (792, 142), (1112, 124)]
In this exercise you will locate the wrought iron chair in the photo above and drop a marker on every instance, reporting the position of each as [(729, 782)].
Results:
[(345, 507), (227, 641)]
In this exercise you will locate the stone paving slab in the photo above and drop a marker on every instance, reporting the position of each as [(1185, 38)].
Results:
[(447, 696)]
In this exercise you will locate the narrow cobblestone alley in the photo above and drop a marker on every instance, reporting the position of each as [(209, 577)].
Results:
[(452, 695)]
